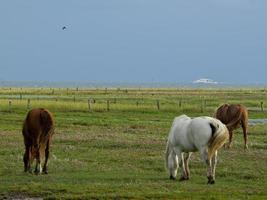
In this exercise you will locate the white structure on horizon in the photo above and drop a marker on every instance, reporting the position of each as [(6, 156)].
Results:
[(205, 81)]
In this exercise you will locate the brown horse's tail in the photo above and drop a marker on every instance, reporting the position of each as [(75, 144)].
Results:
[(46, 121), (219, 137)]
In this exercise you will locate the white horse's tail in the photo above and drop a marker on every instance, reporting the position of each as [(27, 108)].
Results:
[(219, 136), (171, 161)]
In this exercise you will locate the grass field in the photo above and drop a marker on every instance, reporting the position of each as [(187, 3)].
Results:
[(115, 149)]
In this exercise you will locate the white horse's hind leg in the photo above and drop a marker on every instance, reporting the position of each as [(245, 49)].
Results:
[(213, 164), (186, 162), (172, 165), (204, 155)]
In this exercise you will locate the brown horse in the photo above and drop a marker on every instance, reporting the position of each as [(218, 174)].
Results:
[(37, 131), (233, 116)]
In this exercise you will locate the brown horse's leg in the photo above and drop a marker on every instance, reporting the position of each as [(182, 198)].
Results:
[(26, 159), (38, 168), (230, 138), (46, 157)]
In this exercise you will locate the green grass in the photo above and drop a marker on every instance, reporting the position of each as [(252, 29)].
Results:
[(119, 154)]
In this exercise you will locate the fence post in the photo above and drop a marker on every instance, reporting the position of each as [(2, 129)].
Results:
[(201, 108), (74, 99), (29, 104), (180, 103), (89, 105), (262, 106), (9, 105), (107, 105), (158, 105), (20, 96)]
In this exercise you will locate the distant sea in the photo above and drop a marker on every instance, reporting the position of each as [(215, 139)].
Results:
[(75, 84)]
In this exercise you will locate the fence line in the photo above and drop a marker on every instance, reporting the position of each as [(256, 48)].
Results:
[(179, 105)]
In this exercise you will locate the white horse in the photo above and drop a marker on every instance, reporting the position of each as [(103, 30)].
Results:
[(204, 134)]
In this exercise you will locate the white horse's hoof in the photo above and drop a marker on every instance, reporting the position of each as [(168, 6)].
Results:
[(210, 180)]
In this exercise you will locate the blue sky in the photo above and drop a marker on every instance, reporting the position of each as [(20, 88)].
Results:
[(134, 40)]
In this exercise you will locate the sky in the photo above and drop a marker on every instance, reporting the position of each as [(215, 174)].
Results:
[(172, 41)]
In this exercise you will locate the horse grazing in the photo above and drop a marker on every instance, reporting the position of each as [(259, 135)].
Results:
[(37, 131), (204, 134), (233, 116)]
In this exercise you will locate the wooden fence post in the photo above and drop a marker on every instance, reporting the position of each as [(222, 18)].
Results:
[(202, 106), (9, 105), (89, 105), (107, 105), (29, 104), (180, 103), (158, 104), (262, 106)]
